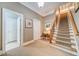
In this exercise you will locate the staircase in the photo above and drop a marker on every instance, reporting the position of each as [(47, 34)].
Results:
[(64, 36)]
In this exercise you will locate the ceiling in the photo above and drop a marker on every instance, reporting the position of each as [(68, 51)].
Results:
[(49, 7)]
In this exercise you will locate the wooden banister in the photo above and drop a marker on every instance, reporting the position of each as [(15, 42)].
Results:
[(52, 29), (73, 23)]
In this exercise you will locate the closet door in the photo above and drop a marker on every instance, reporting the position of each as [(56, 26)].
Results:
[(36, 29), (0, 31)]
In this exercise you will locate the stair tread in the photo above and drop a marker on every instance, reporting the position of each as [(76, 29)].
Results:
[(64, 44), (63, 34), (62, 37), (64, 31), (64, 28), (64, 41), (65, 47)]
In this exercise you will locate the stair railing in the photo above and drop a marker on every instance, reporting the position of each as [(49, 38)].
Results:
[(75, 30), (54, 25)]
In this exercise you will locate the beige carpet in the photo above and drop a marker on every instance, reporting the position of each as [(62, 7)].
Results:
[(37, 48)]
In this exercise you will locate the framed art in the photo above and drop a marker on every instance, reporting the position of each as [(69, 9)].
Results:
[(29, 23), (47, 25)]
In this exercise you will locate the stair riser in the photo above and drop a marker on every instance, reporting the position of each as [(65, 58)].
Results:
[(69, 29), (64, 39), (63, 25), (61, 29), (61, 35), (64, 44), (64, 35)]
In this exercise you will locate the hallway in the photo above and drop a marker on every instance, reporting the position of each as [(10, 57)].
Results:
[(28, 29), (37, 48)]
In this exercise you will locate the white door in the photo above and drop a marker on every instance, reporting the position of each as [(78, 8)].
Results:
[(11, 29), (36, 29)]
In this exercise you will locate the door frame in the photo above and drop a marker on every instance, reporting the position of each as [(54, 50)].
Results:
[(21, 26)]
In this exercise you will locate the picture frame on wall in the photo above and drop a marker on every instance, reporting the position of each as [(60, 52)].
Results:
[(47, 25), (29, 23)]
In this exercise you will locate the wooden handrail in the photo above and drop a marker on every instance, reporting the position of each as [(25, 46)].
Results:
[(52, 29), (74, 24)]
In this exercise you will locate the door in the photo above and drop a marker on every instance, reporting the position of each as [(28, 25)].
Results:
[(0, 33), (36, 29), (11, 29)]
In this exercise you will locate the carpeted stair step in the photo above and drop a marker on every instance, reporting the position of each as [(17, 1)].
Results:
[(62, 43)]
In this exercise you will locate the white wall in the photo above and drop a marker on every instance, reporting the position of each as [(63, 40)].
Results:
[(49, 19), (76, 18), (27, 13)]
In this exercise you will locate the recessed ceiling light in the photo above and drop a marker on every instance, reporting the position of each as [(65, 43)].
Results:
[(40, 4)]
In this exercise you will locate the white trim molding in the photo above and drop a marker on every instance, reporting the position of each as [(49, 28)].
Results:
[(29, 42), (21, 34)]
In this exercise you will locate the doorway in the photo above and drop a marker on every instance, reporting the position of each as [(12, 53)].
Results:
[(12, 29), (36, 29)]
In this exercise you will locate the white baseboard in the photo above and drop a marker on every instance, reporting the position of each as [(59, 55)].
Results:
[(26, 43), (1, 52)]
